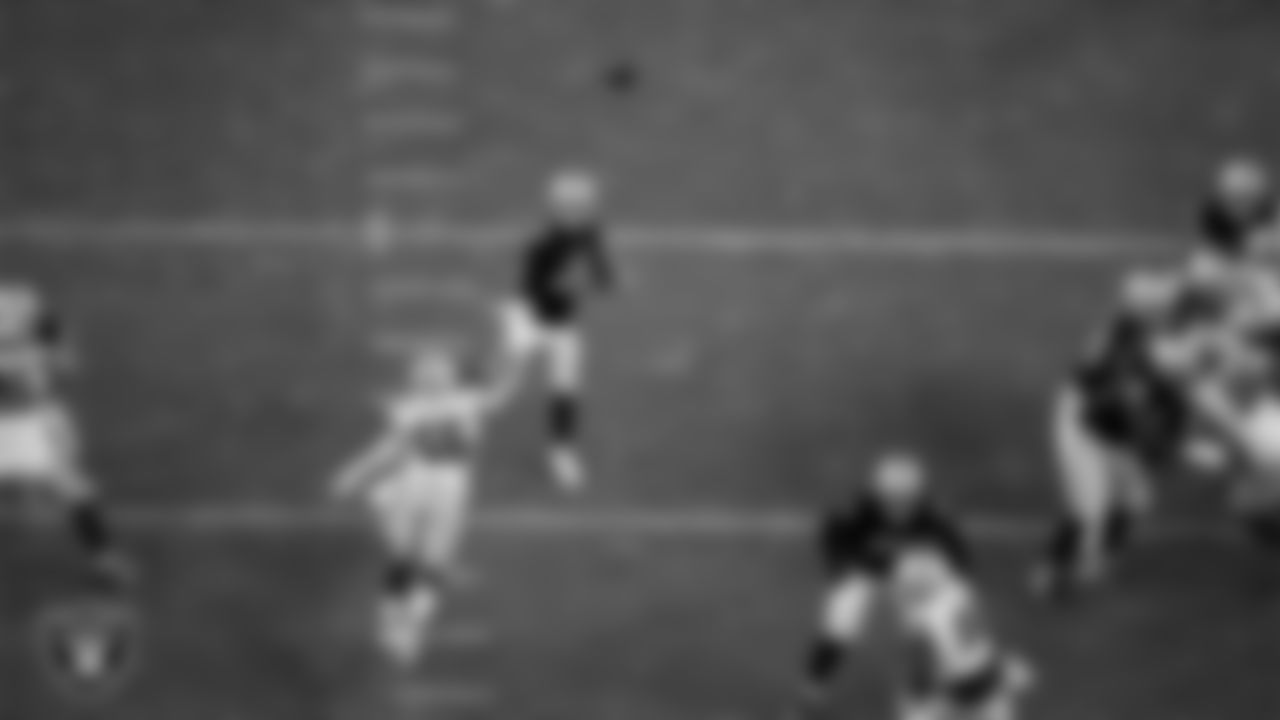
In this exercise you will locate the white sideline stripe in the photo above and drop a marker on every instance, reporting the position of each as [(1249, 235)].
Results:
[(891, 243), (382, 72), (423, 695), (387, 16), (410, 289), (403, 124), (409, 179), (654, 523)]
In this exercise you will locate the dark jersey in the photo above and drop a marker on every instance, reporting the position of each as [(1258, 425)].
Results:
[(557, 265), (1127, 400), (1229, 226), (865, 536)]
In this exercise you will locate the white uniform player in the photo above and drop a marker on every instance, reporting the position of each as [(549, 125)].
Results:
[(39, 446), (963, 672), (415, 481)]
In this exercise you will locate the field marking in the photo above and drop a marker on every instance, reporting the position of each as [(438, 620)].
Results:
[(905, 244), (406, 124), (414, 287), (387, 16), (651, 523), (890, 243), (389, 72), (409, 179), (441, 693)]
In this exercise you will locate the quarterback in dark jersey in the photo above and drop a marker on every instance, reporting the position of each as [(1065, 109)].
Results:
[(563, 264), (861, 543)]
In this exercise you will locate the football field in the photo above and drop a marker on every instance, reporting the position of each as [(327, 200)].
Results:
[(843, 226), (735, 391)]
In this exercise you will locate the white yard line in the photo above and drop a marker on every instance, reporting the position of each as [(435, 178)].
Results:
[(652, 523), (403, 17), (423, 695), (410, 124), (384, 72), (410, 179), (900, 243)]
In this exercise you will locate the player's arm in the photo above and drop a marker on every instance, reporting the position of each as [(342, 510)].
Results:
[(370, 464)]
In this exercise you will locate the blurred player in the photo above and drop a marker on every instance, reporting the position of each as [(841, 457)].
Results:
[(961, 671), (1119, 418), (415, 480), (861, 544), (39, 447), (562, 265), (1235, 296), (1224, 284), (1240, 208)]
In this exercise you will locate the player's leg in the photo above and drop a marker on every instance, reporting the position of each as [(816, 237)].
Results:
[(47, 446), (845, 615), (1134, 498), (520, 341), (398, 525), (423, 526), (1255, 493), (443, 521), (565, 372), (1005, 702), (1077, 545)]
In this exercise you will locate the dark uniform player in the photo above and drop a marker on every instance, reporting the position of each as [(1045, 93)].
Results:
[(1239, 208), (1122, 415), (861, 543), (563, 263)]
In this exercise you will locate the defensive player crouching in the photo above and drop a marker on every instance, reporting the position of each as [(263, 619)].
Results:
[(961, 671), (415, 480), (861, 544), (1120, 416), (40, 449), (561, 265)]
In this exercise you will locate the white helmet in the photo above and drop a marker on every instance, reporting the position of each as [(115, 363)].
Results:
[(1242, 178), (573, 194), (899, 476), (434, 367), (1149, 292)]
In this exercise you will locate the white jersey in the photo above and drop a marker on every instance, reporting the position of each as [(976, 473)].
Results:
[(951, 635), (26, 375), (438, 428)]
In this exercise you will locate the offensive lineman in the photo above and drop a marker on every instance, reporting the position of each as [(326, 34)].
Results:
[(415, 480), (561, 266), (861, 544), (39, 447), (961, 671)]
